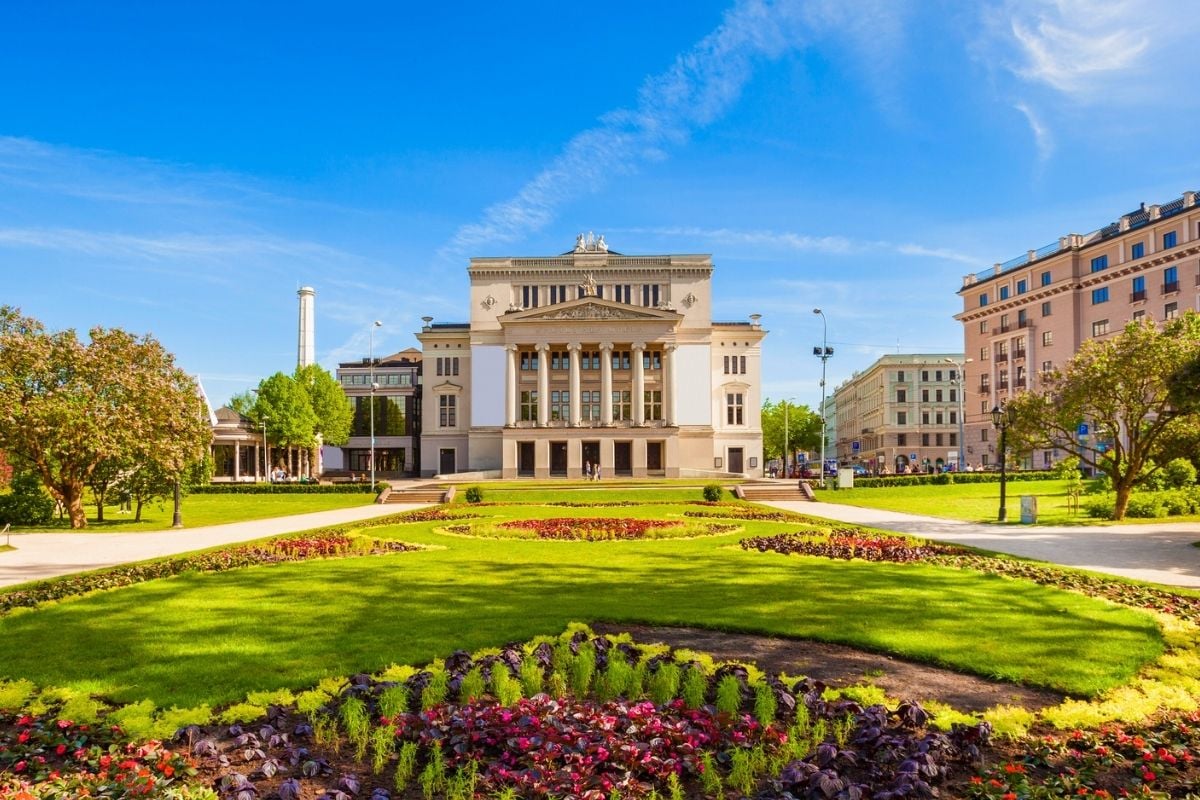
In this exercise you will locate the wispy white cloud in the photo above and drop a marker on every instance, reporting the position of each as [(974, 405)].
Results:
[(798, 242), (1042, 135), (701, 85)]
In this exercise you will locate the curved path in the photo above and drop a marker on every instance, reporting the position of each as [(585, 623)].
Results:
[(1161, 552), (47, 555)]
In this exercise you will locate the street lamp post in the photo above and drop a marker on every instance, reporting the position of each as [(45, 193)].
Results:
[(374, 386), (962, 390), (786, 431), (266, 451), (823, 352), (1001, 418)]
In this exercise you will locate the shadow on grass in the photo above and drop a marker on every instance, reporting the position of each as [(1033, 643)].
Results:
[(214, 637)]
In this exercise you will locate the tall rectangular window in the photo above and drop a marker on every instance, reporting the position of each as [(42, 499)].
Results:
[(901, 439), (447, 411), (1047, 366), (529, 406), (983, 354), (1047, 338), (558, 293), (953, 439), (589, 405), (954, 395), (901, 417), (953, 417), (1099, 263), (924, 395), (1003, 292), (529, 361), (652, 405), (938, 440), (1137, 250), (1169, 239), (1171, 311), (1046, 308), (1139, 288), (924, 440), (937, 375), (900, 376), (560, 405), (734, 409), (939, 417), (1100, 295), (622, 292), (1046, 278), (622, 405), (650, 295), (651, 359), (983, 326), (924, 417), (1022, 286), (529, 297), (901, 396), (1170, 280), (983, 299), (937, 395)]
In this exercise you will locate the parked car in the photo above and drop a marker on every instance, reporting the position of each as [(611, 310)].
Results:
[(860, 471)]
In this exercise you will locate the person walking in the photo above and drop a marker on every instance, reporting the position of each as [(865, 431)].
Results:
[(587, 470)]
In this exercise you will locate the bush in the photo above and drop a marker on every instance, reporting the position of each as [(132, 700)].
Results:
[(287, 488), (1179, 474), (713, 492), (951, 477), (1146, 505), (27, 504), (474, 494)]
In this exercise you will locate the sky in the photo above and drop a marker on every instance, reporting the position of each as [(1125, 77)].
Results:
[(180, 169)]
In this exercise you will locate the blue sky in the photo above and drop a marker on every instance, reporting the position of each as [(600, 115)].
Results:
[(180, 169)]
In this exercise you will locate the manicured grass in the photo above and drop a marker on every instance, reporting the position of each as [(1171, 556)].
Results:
[(215, 509), (213, 637), (971, 502)]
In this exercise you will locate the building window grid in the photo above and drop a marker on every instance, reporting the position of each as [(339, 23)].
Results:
[(622, 405), (447, 411), (529, 405), (620, 359), (652, 405)]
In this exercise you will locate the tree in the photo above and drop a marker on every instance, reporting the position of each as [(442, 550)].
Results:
[(67, 407), (803, 428), (1122, 388), (285, 406), (329, 404)]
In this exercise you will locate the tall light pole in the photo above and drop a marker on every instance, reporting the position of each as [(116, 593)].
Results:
[(962, 390), (374, 386), (823, 352), (266, 452), (1001, 418)]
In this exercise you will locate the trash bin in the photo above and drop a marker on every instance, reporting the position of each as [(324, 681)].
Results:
[(1028, 509)]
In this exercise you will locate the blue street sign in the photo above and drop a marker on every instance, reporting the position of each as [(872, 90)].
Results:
[(912, 456), (1083, 429), (854, 446)]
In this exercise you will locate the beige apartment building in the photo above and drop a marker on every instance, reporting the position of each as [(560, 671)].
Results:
[(592, 357), (901, 411), (1029, 315)]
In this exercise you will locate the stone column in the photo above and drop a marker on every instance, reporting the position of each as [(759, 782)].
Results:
[(543, 351), (511, 386), (639, 383), (573, 354), (669, 384), (237, 461), (606, 390)]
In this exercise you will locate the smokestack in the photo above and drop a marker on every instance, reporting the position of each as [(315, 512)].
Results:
[(306, 352)]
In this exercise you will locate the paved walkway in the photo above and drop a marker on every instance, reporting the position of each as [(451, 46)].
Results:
[(1159, 552), (47, 555)]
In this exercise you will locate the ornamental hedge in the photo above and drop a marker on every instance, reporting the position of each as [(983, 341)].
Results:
[(943, 478), (289, 488)]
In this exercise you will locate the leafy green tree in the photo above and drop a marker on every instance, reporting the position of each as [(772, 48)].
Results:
[(27, 503), (68, 406), (285, 405), (329, 404), (803, 428), (1121, 386)]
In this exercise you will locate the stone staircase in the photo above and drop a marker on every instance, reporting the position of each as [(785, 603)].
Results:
[(774, 490), (417, 494)]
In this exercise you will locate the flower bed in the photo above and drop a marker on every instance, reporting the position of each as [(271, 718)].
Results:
[(589, 529), (755, 514), (44, 758), (326, 544), (847, 544)]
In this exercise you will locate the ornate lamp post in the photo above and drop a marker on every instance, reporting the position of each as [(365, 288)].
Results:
[(374, 386), (962, 389), (823, 352), (1001, 419)]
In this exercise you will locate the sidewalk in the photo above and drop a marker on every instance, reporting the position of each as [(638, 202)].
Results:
[(47, 555), (1159, 552)]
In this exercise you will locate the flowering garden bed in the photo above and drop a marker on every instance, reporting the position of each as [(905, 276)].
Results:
[(593, 529), (847, 544)]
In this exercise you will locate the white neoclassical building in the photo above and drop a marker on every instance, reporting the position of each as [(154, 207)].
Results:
[(592, 357)]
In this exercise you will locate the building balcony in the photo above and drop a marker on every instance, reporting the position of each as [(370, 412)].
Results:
[(985, 387), (1138, 296), (1170, 288), (1019, 383), (1022, 323), (1018, 353), (1002, 386), (1004, 328), (1002, 356)]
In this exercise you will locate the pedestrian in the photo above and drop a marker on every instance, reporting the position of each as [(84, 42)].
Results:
[(587, 470), (597, 472)]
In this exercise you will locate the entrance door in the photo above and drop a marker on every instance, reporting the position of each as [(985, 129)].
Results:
[(654, 456), (525, 458), (591, 454), (446, 461), (622, 458), (558, 458), (735, 459)]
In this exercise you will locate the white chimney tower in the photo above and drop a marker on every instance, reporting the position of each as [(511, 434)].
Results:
[(307, 349)]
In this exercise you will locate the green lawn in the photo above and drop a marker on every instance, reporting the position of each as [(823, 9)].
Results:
[(214, 509), (208, 638), (971, 502)]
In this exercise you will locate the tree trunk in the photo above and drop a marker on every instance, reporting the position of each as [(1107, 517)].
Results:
[(138, 516), (99, 495), (72, 496), (1123, 490)]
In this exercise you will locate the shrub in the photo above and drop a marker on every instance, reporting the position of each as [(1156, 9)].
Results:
[(1179, 473), (713, 492), (1148, 505), (287, 488), (27, 504), (473, 494)]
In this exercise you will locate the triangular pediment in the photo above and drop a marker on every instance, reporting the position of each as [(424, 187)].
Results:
[(591, 309)]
